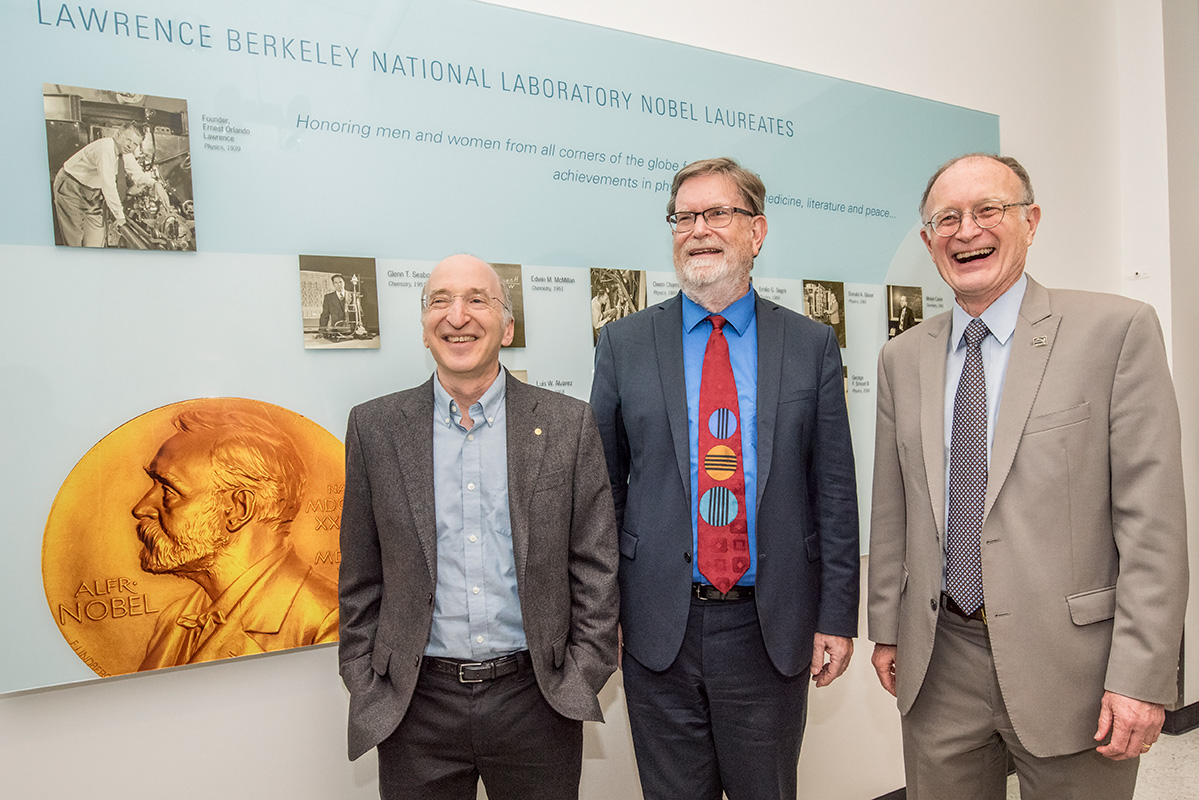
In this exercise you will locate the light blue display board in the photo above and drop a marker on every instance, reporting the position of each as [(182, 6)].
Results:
[(405, 131)]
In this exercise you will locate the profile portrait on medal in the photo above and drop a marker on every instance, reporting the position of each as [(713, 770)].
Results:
[(223, 492), (339, 301), (120, 169), (905, 308), (195, 532), (615, 293), (824, 301)]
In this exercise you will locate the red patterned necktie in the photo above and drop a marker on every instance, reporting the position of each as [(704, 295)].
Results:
[(723, 529)]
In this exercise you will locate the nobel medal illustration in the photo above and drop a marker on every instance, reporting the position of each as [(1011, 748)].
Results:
[(202, 530)]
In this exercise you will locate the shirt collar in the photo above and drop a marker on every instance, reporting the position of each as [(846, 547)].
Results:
[(1000, 317), (446, 412), (739, 314)]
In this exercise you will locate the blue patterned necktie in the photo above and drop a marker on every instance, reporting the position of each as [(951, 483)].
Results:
[(968, 477)]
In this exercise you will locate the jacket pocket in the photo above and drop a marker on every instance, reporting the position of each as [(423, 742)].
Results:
[(797, 396), (1058, 419), (380, 658), (1091, 606), (552, 480), (628, 543), (812, 545), (559, 648)]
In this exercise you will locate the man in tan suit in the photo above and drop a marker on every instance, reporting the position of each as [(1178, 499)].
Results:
[(1028, 543)]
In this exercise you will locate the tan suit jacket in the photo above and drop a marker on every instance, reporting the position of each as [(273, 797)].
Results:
[(1084, 538)]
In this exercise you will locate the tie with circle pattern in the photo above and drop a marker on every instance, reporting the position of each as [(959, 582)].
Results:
[(968, 477), (723, 529)]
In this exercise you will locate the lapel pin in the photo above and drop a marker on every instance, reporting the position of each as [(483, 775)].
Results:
[(537, 431), (1040, 341)]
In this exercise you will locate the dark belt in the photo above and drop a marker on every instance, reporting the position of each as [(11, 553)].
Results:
[(476, 671), (706, 591), (980, 614)]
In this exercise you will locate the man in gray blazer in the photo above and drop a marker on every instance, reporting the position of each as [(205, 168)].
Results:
[(716, 675), (478, 566), (1028, 545)]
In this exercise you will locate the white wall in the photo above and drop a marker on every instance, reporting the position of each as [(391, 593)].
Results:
[(1077, 87), (1181, 24)]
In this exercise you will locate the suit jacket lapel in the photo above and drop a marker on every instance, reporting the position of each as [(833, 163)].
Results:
[(933, 350), (1032, 344), (668, 343), (525, 455), (413, 441), (770, 365)]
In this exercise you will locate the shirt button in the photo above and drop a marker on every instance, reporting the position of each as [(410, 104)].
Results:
[(474, 538), (470, 437), (490, 420), (475, 590), (479, 639), (470, 486)]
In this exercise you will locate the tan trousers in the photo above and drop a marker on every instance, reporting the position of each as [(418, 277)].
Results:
[(957, 736)]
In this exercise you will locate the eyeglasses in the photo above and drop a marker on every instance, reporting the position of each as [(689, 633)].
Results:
[(475, 301), (986, 214), (716, 217)]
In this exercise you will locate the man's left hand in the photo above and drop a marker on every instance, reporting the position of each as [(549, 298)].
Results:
[(839, 649), (1131, 724)]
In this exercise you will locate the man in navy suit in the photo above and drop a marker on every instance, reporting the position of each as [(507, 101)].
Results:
[(716, 679)]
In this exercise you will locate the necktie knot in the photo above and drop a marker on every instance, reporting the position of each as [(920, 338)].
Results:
[(976, 331), (717, 321)]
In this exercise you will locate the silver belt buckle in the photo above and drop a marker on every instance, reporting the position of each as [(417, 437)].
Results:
[(462, 672)]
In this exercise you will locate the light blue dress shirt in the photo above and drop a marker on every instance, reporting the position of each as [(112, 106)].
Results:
[(741, 332), (476, 613), (1000, 318)]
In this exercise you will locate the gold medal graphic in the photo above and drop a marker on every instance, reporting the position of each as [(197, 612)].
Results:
[(201, 530)]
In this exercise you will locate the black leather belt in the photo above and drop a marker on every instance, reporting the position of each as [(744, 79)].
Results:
[(951, 605), (706, 591), (477, 671)]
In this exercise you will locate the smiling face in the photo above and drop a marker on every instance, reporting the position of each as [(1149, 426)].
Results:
[(465, 338), (980, 264), (706, 257)]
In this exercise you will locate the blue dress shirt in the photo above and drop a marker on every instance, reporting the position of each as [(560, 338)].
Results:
[(476, 613), (741, 332)]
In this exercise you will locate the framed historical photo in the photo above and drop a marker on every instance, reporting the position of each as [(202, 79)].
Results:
[(120, 169), (339, 301)]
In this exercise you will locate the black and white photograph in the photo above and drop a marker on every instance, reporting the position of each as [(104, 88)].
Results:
[(824, 301), (120, 169), (339, 300), (510, 274), (905, 308), (615, 293)]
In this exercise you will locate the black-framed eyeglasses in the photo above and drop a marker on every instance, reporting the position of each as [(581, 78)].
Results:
[(986, 214), (715, 217), (475, 301)]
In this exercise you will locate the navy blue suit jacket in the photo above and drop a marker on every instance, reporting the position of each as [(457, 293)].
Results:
[(807, 521)]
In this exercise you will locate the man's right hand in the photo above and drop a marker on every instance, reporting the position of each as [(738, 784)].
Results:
[(883, 660)]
